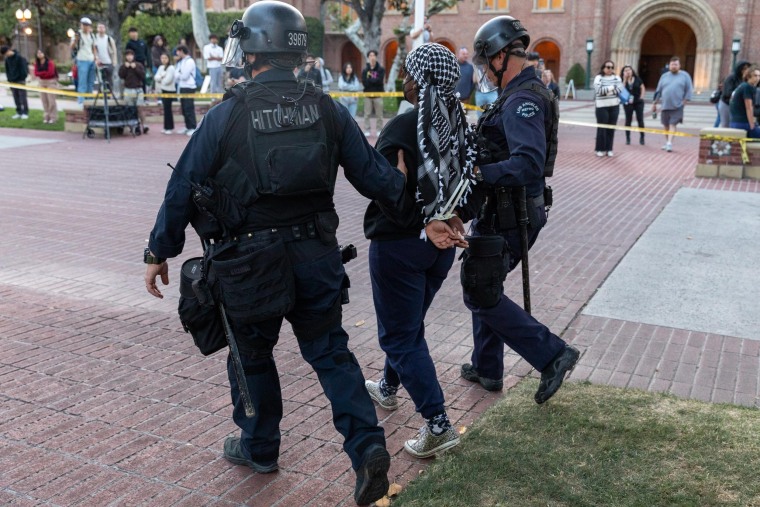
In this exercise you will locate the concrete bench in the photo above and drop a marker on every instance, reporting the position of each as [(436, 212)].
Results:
[(721, 157)]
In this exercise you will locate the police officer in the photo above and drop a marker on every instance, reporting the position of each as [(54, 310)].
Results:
[(515, 128), (273, 147)]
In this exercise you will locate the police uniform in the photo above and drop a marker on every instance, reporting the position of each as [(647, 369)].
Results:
[(251, 144), (518, 127)]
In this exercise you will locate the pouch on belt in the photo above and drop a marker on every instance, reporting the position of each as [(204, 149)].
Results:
[(199, 315), (484, 268), (257, 285)]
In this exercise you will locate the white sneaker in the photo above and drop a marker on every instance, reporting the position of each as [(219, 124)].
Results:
[(426, 444), (367, 133), (599, 153), (609, 154), (24, 116), (389, 402), (168, 131), (183, 131), (668, 147), (16, 116), (189, 132)]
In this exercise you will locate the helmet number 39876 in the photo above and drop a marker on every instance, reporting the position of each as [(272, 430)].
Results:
[(297, 39)]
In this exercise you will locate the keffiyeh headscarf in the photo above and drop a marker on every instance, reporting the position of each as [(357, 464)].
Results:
[(445, 139)]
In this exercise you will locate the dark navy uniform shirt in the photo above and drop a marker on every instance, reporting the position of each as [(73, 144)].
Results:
[(367, 170), (521, 123)]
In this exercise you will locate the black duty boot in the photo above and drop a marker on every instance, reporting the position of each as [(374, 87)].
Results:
[(469, 372), (554, 373), (234, 454), (372, 475)]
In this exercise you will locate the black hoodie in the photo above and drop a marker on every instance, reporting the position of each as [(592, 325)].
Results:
[(16, 68), (733, 81)]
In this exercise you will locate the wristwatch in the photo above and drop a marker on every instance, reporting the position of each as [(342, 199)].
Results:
[(149, 258)]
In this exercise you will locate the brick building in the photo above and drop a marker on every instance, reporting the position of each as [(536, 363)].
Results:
[(643, 33)]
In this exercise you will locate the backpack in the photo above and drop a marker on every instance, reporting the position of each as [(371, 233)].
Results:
[(198, 78)]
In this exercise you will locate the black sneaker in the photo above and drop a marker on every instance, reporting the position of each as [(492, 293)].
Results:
[(372, 476), (145, 130), (234, 454), (489, 384), (553, 375)]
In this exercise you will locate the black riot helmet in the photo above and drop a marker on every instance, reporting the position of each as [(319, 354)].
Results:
[(267, 27), (494, 36)]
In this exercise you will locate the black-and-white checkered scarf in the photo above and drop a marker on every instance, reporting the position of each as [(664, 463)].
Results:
[(445, 139)]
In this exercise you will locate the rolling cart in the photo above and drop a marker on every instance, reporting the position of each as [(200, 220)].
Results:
[(107, 116)]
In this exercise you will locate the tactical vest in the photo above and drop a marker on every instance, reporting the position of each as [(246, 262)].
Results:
[(291, 144), (551, 122)]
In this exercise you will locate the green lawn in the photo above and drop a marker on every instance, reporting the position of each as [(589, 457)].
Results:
[(595, 445), (33, 122)]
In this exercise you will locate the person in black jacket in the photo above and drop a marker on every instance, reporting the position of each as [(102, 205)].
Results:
[(273, 146), (407, 269), (730, 84), (141, 51), (16, 69), (372, 79)]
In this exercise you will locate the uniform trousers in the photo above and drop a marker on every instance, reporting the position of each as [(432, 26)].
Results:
[(406, 274), (507, 322), (323, 344)]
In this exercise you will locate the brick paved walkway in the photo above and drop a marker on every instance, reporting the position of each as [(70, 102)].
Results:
[(105, 401)]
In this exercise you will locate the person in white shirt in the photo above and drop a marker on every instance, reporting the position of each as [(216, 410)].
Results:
[(165, 83), (83, 44), (106, 54), (213, 54), (185, 72)]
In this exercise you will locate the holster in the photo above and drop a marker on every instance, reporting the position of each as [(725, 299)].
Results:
[(197, 311), (485, 264)]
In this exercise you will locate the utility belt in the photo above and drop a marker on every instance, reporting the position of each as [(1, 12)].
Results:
[(504, 212), (323, 227)]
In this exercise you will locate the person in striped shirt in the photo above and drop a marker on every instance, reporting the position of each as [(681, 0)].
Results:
[(607, 86)]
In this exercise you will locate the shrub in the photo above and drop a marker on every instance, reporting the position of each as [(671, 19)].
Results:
[(578, 75)]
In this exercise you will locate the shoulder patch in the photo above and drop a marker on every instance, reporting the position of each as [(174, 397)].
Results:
[(527, 109)]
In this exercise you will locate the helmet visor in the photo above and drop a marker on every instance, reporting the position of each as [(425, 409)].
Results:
[(233, 53), (485, 85)]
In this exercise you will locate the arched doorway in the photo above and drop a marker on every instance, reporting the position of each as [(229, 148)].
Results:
[(349, 53), (389, 53), (628, 38), (667, 38), (549, 51)]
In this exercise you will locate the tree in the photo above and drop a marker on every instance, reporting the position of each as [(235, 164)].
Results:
[(200, 24)]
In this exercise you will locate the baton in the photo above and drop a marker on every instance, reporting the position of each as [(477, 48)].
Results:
[(237, 364), (522, 220)]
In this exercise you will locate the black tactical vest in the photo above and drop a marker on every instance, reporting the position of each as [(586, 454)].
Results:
[(284, 160), (551, 122)]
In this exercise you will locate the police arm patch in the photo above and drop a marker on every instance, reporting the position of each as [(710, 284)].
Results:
[(527, 109)]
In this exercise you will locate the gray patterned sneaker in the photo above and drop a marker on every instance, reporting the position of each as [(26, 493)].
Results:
[(389, 402), (426, 444)]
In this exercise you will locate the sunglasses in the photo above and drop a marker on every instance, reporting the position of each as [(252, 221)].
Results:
[(609, 66)]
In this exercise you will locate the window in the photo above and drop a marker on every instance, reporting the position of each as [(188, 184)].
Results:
[(210, 4), (494, 5), (549, 5), (229, 4)]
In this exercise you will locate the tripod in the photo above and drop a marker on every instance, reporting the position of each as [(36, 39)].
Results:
[(120, 114)]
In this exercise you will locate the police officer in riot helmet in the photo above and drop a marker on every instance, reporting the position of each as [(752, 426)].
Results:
[(272, 149), (518, 133)]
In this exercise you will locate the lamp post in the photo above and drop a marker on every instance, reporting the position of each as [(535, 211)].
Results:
[(736, 46), (23, 17), (589, 50)]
